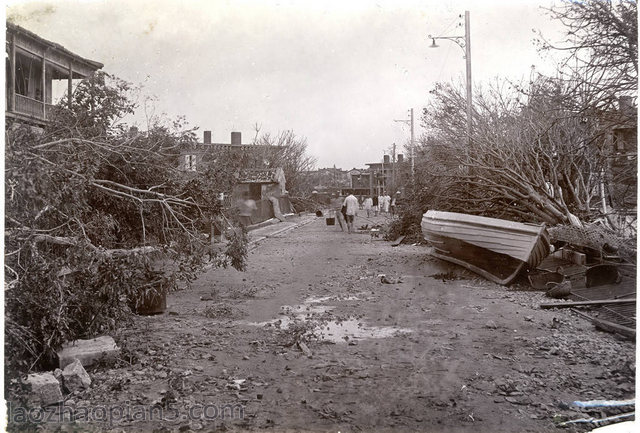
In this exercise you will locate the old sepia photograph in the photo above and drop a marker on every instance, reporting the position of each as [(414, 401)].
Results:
[(320, 216)]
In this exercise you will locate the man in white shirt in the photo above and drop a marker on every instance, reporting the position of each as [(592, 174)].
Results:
[(368, 206), (351, 202)]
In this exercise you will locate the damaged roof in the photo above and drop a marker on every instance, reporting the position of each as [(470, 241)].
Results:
[(268, 175)]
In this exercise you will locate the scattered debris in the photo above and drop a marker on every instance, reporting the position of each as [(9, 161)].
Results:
[(445, 276), (305, 349), (587, 303), (540, 278), (386, 280), (606, 326), (622, 315), (491, 325), (221, 310), (398, 241)]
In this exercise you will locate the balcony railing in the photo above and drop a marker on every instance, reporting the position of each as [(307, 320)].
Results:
[(32, 107)]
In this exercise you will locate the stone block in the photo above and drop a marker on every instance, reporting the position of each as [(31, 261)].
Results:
[(75, 378), (88, 351), (45, 389)]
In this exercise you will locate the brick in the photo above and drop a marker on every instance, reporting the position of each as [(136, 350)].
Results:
[(75, 378), (89, 351), (45, 389)]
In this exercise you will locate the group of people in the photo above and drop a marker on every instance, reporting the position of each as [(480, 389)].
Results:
[(347, 209), (382, 203)]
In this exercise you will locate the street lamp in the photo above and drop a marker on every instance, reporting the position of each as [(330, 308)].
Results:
[(463, 42)]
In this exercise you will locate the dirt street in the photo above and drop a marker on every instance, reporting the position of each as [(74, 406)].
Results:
[(434, 348)]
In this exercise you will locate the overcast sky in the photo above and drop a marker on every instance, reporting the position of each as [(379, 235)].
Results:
[(336, 72)]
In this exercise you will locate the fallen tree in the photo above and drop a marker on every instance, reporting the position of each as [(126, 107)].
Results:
[(558, 150), (97, 215), (531, 160)]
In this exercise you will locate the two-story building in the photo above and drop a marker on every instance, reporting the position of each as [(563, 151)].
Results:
[(32, 66), (386, 176)]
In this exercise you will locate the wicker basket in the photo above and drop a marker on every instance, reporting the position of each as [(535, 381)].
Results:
[(559, 290)]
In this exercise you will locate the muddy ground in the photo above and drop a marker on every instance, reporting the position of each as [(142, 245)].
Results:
[(438, 349)]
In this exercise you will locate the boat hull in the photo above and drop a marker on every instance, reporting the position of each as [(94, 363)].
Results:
[(497, 249)]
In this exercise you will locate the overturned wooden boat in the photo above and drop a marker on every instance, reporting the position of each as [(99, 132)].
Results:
[(497, 249)]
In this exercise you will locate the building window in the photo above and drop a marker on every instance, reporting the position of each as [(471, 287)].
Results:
[(190, 162)]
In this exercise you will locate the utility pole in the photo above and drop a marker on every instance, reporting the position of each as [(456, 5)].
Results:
[(467, 46), (412, 145), (463, 42), (382, 170), (393, 169)]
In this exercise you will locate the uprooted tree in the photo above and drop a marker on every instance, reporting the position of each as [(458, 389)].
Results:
[(555, 150), (532, 157), (97, 215)]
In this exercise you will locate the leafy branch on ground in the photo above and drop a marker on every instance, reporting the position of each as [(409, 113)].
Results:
[(97, 215)]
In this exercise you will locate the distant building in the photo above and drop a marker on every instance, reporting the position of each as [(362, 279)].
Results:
[(359, 182), (330, 178), (191, 159), (32, 64), (258, 182), (386, 176)]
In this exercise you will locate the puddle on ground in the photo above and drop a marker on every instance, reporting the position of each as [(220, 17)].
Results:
[(327, 329), (352, 329), (313, 300)]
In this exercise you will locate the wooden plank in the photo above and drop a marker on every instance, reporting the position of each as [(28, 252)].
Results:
[(587, 303), (397, 241), (608, 326), (610, 291)]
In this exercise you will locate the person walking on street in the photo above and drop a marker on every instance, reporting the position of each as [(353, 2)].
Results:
[(394, 203), (336, 206), (376, 207), (368, 204), (381, 202), (387, 201), (351, 202)]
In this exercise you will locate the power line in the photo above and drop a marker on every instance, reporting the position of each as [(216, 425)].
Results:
[(444, 63)]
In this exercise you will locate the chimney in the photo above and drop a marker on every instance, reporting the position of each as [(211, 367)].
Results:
[(400, 158), (207, 137), (386, 159), (236, 138)]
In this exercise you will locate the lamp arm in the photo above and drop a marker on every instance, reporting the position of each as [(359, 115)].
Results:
[(459, 40)]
